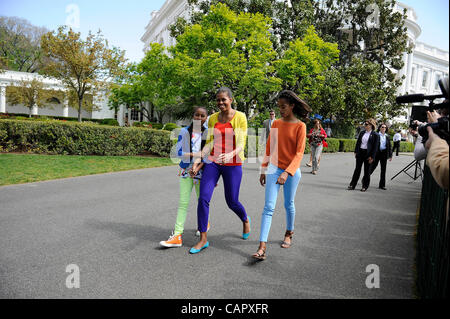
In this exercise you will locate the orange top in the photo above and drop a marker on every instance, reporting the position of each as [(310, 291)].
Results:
[(285, 145), (224, 142)]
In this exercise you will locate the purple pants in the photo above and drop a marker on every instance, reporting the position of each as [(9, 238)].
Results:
[(232, 176)]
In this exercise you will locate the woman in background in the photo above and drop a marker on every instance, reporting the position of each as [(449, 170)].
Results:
[(384, 153), (317, 141), (365, 151)]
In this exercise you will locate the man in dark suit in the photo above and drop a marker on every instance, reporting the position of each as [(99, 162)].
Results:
[(268, 123), (365, 152), (384, 153)]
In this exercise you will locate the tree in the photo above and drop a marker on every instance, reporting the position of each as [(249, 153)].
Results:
[(367, 32), (303, 65), (372, 39), (159, 80), (226, 49), (130, 95), (30, 94), (290, 19), (83, 66), (20, 45)]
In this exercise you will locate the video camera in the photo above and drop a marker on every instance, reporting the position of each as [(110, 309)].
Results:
[(419, 112)]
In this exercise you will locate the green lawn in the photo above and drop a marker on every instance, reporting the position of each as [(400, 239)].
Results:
[(26, 168)]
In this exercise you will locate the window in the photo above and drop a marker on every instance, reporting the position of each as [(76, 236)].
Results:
[(424, 78), (134, 115), (436, 84)]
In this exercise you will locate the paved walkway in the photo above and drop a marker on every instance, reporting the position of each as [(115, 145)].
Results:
[(110, 226)]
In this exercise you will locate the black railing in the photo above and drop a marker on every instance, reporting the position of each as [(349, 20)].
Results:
[(433, 241)]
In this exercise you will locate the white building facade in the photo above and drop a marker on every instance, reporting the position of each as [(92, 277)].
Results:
[(422, 68), (14, 78), (157, 29)]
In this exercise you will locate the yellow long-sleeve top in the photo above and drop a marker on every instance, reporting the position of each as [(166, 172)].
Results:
[(239, 124), (285, 145)]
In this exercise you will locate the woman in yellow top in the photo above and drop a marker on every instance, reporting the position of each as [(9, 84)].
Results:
[(227, 131)]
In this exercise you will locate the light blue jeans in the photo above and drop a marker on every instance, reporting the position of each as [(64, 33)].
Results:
[(272, 188)]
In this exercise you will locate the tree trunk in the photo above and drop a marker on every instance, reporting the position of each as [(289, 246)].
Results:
[(152, 112), (160, 116), (80, 103)]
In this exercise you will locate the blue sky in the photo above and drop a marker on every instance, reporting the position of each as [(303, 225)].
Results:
[(123, 22)]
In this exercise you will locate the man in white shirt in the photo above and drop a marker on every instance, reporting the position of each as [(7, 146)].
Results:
[(397, 138), (328, 130)]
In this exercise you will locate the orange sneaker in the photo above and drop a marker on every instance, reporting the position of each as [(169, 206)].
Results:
[(173, 241)]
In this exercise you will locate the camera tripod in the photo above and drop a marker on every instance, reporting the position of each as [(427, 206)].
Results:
[(417, 170)]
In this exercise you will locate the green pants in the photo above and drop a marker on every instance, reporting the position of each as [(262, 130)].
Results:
[(186, 185)]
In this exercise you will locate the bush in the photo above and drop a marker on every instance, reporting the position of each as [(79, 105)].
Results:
[(156, 126), (22, 116), (307, 147), (170, 126), (406, 147), (333, 145), (111, 122), (142, 124), (72, 138), (347, 145)]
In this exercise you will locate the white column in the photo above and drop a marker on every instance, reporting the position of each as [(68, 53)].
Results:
[(430, 88), (2, 99), (419, 74), (409, 72), (66, 106), (403, 71)]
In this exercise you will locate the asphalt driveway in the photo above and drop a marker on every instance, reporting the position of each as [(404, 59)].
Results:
[(110, 225)]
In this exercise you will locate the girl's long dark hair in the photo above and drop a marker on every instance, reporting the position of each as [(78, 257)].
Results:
[(298, 109)]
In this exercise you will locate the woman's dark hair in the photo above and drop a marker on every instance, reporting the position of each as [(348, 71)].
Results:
[(379, 127), (226, 90), (299, 109)]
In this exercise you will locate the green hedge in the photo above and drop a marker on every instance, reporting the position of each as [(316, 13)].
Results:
[(170, 126), (334, 145), (23, 116), (81, 139), (73, 138), (406, 147), (347, 145), (111, 122)]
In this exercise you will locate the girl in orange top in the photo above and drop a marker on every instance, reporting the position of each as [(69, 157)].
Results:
[(284, 152)]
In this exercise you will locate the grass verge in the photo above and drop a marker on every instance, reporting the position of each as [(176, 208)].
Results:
[(27, 168)]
